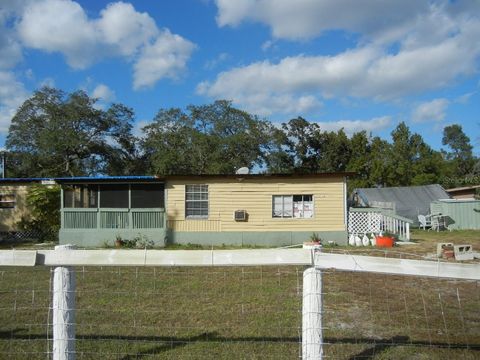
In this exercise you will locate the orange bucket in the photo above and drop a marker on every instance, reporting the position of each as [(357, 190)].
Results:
[(385, 241)]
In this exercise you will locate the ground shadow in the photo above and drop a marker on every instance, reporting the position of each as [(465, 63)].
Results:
[(167, 343)]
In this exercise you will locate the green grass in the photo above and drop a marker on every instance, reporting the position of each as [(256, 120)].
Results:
[(246, 313)]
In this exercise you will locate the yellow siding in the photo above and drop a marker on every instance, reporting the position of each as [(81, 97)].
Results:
[(255, 196), (10, 217)]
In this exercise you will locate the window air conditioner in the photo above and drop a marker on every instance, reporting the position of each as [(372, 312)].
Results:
[(240, 215)]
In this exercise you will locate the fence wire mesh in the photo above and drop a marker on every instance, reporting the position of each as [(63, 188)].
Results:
[(240, 313)]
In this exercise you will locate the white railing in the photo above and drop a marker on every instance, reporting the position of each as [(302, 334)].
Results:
[(63, 258), (372, 220)]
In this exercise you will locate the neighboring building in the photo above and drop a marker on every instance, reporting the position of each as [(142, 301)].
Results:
[(272, 210), (407, 201), (466, 192), (458, 214), (13, 207)]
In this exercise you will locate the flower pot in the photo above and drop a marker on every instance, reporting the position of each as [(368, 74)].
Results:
[(385, 241)]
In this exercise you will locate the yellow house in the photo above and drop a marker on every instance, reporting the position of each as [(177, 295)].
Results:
[(256, 209), (251, 209), (13, 206)]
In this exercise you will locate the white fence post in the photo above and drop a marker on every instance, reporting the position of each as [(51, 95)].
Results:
[(312, 337), (63, 310)]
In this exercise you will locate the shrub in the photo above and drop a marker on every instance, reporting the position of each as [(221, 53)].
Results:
[(43, 219)]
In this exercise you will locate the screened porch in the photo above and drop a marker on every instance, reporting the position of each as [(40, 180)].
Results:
[(99, 212)]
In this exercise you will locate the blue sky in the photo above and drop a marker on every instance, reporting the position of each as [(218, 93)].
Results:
[(335, 62)]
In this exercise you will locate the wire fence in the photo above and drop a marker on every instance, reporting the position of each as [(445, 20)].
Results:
[(240, 313)]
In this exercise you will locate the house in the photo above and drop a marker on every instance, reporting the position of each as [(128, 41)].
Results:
[(406, 201), (465, 192), (248, 209), (13, 202)]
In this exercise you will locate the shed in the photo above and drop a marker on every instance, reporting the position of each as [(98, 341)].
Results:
[(406, 201), (460, 214)]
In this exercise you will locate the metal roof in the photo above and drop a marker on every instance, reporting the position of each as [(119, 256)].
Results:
[(409, 200), (24, 180), (105, 179), (148, 178), (257, 176)]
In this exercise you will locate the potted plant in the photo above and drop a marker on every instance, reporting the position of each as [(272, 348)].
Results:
[(118, 241), (385, 240)]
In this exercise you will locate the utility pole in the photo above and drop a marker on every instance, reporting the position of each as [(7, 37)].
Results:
[(3, 155)]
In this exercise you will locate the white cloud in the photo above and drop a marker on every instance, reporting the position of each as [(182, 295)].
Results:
[(353, 126), (10, 48), (369, 71), (406, 47), (465, 98), (430, 111), (120, 31), (60, 25), (213, 63), (308, 18), (125, 28), (12, 95), (48, 81), (167, 57), (104, 93)]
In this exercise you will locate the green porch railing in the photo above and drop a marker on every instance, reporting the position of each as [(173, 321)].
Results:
[(147, 219), (79, 219), (113, 218)]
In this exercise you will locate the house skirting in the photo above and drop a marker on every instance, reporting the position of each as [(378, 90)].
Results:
[(106, 237), (250, 238)]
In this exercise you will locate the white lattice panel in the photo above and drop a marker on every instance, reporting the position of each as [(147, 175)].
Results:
[(364, 222)]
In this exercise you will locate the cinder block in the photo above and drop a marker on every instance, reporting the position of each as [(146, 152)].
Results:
[(463, 252), (443, 246)]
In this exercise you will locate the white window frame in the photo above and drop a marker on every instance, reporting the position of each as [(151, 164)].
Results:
[(196, 200), (293, 206)]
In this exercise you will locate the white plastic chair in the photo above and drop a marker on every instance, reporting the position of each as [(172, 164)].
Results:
[(424, 221)]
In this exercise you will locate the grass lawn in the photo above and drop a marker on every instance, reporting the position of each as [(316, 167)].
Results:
[(246, 313)]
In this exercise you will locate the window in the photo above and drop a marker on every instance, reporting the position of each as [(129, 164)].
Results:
[(7, 201), (292, 206), (80, 196), (147, 196), (196, 201)]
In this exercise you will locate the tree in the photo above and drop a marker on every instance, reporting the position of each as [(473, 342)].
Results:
[(332, 151), (299, 143), (412, 161), (461, 155), (208, 139), (360, 160), (57, 134), (380, 166)]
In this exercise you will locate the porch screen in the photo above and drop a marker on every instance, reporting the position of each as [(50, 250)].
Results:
[(114, 196), (80, 196), (147, 196)]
